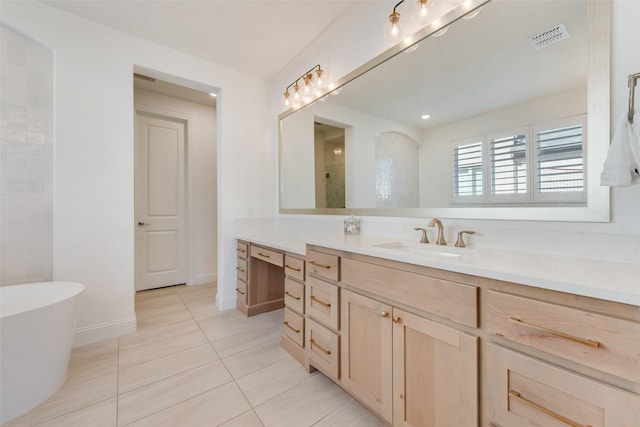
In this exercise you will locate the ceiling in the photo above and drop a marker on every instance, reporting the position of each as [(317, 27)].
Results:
[(258, 37)]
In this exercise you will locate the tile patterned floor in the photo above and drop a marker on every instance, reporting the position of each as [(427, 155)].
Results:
[(190, 364)]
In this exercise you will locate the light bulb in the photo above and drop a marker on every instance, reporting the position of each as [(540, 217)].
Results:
[(422, 12), (307, 83), (393, 32), (320, 76), (296, 92), (285, 100)]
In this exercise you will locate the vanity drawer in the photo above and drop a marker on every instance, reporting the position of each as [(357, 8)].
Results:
[(321, 302), (602, 342), (525, 391), (324, 265), (443, 298), (242, 248), (268, 255), (241, 291), (294, 326), (242, 269), (322, 348), (294, 295), (294, 267)]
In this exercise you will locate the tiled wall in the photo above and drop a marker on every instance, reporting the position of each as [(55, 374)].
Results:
[(26, 163)]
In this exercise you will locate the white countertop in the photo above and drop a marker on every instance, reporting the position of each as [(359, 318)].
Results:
[(612, 281)]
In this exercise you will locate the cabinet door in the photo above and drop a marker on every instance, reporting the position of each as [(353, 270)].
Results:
[(524, 391), (435, 374), (366, 351)]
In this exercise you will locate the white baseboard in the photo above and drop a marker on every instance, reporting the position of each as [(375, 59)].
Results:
[(201, 279), (95, 333)]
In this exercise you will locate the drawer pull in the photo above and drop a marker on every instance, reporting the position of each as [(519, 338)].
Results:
[(241, 250), (317, 264), (241, 270), (297, 331), (291, 268), (264, 255), (516, 395), (319, 301), (324, 350), (590, 343), (291, 295), (396, 319), (238, 289), (384, 314)]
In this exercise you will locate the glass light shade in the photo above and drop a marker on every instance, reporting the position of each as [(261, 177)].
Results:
[(422, 12), (393, 31), (321, 78), (286, 99)]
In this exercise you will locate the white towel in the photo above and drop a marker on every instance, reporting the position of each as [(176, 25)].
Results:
[(622, 167)]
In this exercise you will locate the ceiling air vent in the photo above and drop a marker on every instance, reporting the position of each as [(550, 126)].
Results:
[(549, 37)]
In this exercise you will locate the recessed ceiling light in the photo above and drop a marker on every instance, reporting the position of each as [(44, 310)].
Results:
[(425, 116)]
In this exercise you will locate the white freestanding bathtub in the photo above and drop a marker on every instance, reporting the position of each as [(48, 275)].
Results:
[(37, 325)]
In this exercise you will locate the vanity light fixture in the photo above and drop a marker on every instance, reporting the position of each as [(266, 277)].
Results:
[(421, 15), (424, 13), (305, 88)]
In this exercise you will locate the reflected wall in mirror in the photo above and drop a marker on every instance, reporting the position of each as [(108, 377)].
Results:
[(510, 123)]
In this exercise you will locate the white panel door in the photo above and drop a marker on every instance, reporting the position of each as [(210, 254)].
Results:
[(160, 208)]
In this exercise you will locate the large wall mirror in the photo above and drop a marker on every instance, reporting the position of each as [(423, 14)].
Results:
[(518, 98)]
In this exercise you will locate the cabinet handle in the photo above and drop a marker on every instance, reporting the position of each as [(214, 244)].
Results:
[(313, 298), (516, 395), (396, 319), (241, 250), (324, 350), (327, 266), (291, 268), (264, 255), (384, 314), (240, 270), (590, 343), (238, 289), (297, 331), (291, 295)]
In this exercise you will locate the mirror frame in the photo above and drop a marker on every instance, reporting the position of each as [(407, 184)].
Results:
[(598, 122)]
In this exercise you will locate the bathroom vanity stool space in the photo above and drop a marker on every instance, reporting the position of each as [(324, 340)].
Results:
[(421, 346), (260, 278)]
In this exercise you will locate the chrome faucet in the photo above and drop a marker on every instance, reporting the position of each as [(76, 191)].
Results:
[(424, 238), (440, 240)]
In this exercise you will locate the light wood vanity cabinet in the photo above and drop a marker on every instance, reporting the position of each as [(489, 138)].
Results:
[(322, 310), (260, 278), (294, 318), (429, 347), (589, 336), (524, 391), (410, 370), (242, 268)]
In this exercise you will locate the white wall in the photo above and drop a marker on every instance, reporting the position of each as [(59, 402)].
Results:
[(619, 239), (203, 163), (93, 201)]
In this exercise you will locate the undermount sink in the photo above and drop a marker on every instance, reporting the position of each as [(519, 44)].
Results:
[(424, 249)]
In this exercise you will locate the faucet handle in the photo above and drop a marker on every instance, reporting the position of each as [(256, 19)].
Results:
[(424, 238), (460, 241)]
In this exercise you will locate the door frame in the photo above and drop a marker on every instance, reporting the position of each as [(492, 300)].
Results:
[(190, 148)]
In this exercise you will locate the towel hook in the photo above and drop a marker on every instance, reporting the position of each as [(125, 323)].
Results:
[(633, 79)]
